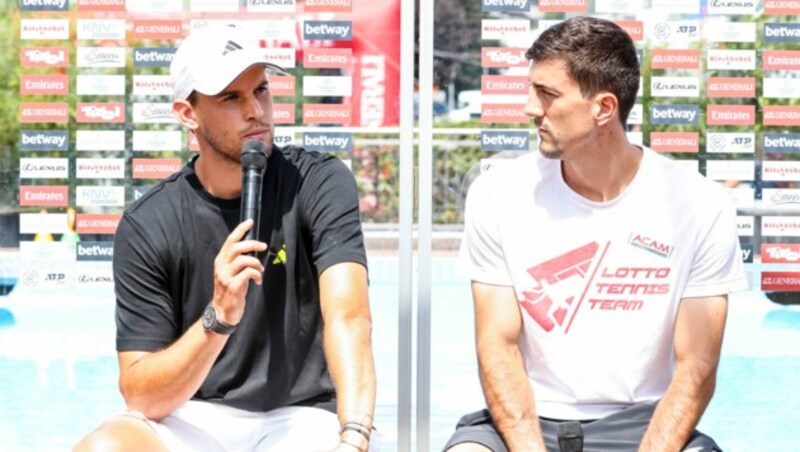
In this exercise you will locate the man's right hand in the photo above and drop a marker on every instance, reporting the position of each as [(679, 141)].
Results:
[(233, 271)]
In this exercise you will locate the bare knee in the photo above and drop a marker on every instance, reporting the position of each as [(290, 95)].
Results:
[(120, 435), (469, 447)]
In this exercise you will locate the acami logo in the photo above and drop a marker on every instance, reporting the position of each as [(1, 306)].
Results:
[(328, 141), (492, 141), (94, 251), (651, 245)]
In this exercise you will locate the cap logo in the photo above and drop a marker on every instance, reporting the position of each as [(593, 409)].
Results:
[(231, 47)]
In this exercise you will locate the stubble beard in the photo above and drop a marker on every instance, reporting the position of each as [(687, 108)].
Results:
[(550, 151), (226, 153)]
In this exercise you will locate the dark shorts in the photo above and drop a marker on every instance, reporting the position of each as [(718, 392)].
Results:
[(618, 432)]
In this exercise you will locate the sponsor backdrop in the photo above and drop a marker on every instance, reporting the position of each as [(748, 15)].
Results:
[(720, 93), (97, 129)]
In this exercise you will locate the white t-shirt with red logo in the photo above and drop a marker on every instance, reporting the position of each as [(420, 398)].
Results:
[(599, 283)]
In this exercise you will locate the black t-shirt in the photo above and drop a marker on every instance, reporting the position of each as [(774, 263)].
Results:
[(164, 251)]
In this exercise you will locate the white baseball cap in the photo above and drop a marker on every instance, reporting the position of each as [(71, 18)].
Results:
[(210, 58)]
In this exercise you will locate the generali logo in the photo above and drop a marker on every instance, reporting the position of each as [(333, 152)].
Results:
[(781, 115), (44, 57), (504, 113), (780, 281), (44, 84), (503, 57), (563, 6), (327, 58), (283, 113), (282, 85), (731, 115), (30, 112), (780, 253), (43, 195), (782, 7), (675, 141), (504, 84), (781, 60), (86, 223), (95, 112), (634, 28), (328, 6), (675, 59), (157, 29), (327, 114), (155, 168), (101, 5), (731, 87)]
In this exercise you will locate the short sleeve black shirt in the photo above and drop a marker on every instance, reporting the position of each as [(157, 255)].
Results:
[(164, 251)]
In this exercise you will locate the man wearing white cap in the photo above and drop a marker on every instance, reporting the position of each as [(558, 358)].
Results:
[(207, 360)]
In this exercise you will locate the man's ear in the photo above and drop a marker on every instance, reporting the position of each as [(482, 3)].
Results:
[(605, 108), (185, 113)]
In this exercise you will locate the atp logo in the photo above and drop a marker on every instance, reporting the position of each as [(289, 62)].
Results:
[(552, 303)]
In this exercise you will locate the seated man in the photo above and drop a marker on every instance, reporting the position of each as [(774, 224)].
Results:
[(600, 270), (209, 361)]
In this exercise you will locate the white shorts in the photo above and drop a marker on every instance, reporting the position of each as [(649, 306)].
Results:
[(211, 427)]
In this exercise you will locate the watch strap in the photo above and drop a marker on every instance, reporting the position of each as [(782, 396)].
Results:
[(217, 325)]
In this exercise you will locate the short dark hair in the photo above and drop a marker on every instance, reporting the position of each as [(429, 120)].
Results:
[(599, 55)]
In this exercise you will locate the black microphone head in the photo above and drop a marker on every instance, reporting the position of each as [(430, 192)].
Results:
[(254, 155)]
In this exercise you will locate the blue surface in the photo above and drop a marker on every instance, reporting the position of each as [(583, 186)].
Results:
[(59, 372)]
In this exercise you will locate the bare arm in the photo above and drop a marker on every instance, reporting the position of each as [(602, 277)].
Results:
[(498, 325), (698, 338), (348, 345), (156, 383)]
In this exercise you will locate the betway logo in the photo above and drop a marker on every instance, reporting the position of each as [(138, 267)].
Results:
[(673, 114), (506, 5), (94, 251), (44, 5), (782, 142), (331, 141), (152, 57), (505, 141), (776, 32), (341, 30), (747, 256), (34, 140)]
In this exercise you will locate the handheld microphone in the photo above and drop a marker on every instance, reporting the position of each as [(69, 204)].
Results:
[(254, 164), (570, 437)]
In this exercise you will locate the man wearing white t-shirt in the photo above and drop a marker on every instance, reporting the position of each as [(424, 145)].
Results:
[(600, 270)]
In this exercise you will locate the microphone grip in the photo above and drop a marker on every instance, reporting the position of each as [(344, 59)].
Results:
[(570, 437), (251, 202)]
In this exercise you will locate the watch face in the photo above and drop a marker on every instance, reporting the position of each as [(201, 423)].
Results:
[(209, 317)]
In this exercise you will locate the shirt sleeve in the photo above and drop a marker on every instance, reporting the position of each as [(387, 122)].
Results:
[(145, 311), (481, 257), (329, 201), (717, 268)]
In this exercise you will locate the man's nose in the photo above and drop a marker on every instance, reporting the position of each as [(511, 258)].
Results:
[(533, 107), (253, 108)]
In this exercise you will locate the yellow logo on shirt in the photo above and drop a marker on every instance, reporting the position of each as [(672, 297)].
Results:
[(280, 256)]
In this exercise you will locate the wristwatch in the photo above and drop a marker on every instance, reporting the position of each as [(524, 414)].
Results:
[(211, 323)]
